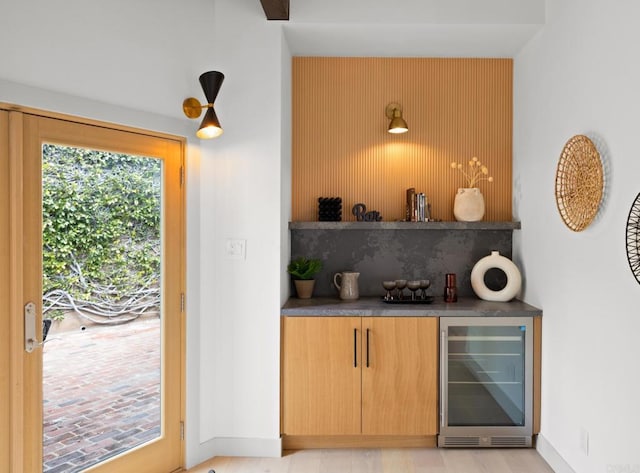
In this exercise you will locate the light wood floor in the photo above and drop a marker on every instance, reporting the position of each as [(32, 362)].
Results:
[(418, 460)]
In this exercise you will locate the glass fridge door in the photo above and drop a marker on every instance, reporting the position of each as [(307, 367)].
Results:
[(486, 367)]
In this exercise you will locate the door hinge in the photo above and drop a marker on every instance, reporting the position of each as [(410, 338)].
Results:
[(181, 176), (181, 430), (182, 302)]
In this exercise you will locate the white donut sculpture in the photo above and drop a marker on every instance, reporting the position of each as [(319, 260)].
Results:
[(496, 260)]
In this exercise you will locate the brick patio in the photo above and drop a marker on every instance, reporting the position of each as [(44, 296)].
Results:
[(101, 393)]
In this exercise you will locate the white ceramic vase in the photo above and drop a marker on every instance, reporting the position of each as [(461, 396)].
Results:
[(496, 260), (468, 205)]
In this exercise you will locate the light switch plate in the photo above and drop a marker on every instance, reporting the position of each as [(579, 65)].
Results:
[(235, 248)]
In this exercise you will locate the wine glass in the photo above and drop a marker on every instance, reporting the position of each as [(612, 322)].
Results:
[(401, 284), (389, 286), (424, 285), (413, 287)]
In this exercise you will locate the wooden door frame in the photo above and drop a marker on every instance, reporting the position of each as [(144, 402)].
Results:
[(18, 441), (5, 297), (16, 279)]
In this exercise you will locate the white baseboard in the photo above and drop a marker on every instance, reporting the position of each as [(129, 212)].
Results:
[(551, 456), (236, 447)]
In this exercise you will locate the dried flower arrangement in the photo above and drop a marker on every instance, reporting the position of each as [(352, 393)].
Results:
[(476, 173)]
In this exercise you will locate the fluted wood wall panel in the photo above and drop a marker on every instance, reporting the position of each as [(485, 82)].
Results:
[(455, 109)]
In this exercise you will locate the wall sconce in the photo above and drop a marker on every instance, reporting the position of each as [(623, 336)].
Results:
[(397, 123), (210, 127)]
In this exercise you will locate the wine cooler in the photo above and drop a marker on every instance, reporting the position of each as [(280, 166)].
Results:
[(486, 374)]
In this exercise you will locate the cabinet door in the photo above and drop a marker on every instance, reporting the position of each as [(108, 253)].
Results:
[(400, 381), (321, 377)]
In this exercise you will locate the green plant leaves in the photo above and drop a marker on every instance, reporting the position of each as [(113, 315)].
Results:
[(303, 268), (101, 222)]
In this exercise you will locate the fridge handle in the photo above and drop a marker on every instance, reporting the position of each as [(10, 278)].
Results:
[(443, 341)]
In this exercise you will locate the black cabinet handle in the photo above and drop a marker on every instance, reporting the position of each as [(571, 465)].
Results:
[(367, 348), (355, 347)]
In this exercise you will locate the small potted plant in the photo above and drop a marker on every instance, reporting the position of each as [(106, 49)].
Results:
[(302, 270)]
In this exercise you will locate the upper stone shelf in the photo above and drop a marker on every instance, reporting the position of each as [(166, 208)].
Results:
[(404, 225)]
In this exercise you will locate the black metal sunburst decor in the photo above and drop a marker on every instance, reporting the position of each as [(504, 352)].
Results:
[(633, 238)]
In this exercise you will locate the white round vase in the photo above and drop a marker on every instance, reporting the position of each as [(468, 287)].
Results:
[(468, 205), (496, 260)]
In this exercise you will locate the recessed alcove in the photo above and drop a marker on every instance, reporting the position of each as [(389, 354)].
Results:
[(400, 250)]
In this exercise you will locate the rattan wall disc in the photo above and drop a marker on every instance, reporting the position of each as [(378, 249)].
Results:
[(579, 183), (633, 238)]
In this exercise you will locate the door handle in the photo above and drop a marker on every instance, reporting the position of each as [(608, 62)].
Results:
[(443, 378), (367, 348), (355, 347), (30, 339)]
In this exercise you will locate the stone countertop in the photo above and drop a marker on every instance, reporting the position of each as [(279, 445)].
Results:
[(375, 306)]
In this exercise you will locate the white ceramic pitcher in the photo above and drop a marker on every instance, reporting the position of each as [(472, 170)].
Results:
[(348, 285)]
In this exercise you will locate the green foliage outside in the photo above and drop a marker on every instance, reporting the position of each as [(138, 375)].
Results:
[(101, 227)]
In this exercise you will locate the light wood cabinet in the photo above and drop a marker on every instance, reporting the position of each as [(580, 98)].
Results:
[(321, 376), (359, 376), (400, 382)]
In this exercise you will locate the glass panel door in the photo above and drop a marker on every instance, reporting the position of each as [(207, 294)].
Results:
[(102, 307), (486, 369), (102, 232), (486, 381)]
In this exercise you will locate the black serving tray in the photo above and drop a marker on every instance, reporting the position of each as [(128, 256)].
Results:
[(427, 300)]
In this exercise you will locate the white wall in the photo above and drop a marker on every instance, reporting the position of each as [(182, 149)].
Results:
[(580, 75), (144, 55), (241, 177), (133, 63), (285, 210)]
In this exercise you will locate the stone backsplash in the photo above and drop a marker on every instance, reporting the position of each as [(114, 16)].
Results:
[(402, 251)]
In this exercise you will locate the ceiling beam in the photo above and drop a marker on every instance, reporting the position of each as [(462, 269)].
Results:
[(276, 9)]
